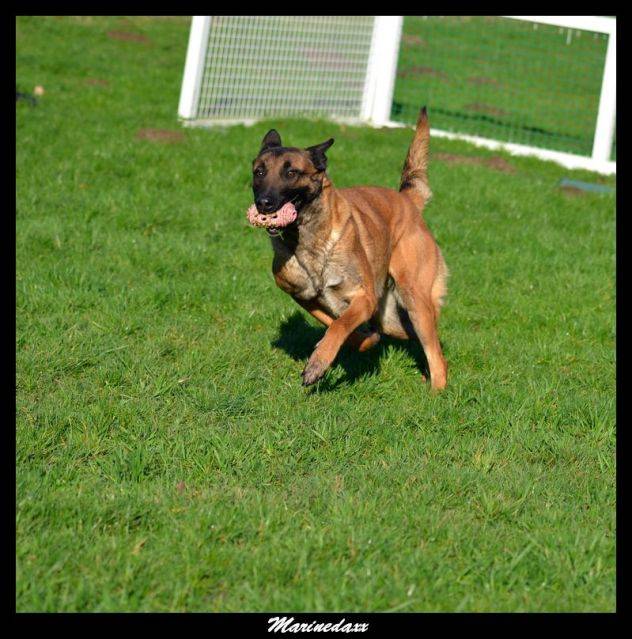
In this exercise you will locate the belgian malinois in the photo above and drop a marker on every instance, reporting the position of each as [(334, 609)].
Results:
[(361, 260)]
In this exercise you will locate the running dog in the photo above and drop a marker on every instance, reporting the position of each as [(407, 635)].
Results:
[(361, 260)]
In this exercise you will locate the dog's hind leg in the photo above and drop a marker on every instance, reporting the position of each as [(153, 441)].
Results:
[(362, 339), (421, 292), (424, 318), (440, 285)]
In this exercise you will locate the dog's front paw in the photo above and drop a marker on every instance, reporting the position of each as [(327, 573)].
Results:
[(314, 370)]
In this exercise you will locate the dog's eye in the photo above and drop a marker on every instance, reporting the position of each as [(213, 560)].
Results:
[(259, 171), (292, 173)]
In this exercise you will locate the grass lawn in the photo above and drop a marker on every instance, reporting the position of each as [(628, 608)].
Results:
[(168, 457)]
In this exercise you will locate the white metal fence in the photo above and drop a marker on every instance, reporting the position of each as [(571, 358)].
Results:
[(246, 67), (545, 99)]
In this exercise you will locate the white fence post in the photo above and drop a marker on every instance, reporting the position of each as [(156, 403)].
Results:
[(194, 66), (382, 67), (604, 133)]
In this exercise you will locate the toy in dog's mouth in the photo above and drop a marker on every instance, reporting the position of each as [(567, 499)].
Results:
[(272, 222)]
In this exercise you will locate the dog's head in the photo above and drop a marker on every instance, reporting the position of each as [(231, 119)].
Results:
[(282, 174)]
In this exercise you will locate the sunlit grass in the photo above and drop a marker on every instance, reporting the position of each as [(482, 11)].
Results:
[(167, 456)]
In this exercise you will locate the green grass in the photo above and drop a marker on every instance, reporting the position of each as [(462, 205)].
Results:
[(167, 456), (500, 79)]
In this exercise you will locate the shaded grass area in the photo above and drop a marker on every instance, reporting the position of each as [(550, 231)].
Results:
[(167, 456), (502, 79)]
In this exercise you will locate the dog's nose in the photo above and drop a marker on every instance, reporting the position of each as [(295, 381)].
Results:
[(264, 204)]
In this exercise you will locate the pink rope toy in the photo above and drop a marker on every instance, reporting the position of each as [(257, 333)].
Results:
[(272, 221)]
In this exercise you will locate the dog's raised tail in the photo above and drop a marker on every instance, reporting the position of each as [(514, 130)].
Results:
[(414, 176)]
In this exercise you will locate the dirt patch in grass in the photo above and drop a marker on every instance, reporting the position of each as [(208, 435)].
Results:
[(485, 108), (128, 36), (415, 71), (495, 162), (162, 136), (572, 190), (414, 40), (330, 60), (499, 164)]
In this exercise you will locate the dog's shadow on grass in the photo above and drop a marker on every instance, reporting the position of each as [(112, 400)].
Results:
[(298, 339)]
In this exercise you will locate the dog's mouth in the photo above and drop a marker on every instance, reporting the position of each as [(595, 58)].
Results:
[(273, 222)]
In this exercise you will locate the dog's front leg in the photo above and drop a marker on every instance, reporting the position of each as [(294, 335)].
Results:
[(361, 340), (360, 310)]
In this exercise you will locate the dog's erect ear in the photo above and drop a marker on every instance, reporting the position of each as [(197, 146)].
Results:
[(270, 140), (317, 154)]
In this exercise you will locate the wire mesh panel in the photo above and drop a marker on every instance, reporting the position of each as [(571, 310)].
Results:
[(504, 79), (270, 66)]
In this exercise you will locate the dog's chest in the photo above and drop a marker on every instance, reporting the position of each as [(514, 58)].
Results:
[(314, 273)]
